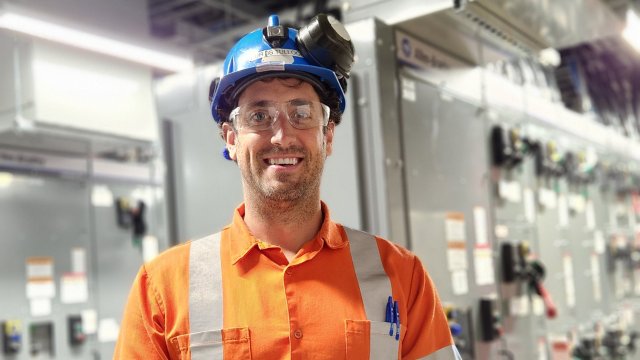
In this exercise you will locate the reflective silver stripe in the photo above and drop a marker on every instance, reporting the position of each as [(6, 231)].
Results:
[(209, 352), (205, 338), (375, 286), (446, 353), (205, 296)]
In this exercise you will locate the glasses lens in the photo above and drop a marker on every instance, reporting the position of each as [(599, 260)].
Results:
[(301, 114), (305, 115)]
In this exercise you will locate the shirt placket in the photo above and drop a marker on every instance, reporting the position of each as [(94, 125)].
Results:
[(293, 291)]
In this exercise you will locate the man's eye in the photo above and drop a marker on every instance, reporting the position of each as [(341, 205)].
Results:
[(302, 114), (258, 117)]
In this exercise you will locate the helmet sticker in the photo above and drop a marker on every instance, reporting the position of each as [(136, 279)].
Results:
[(279, 55)]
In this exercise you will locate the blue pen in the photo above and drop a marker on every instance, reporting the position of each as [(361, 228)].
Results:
[(396, 318), (389, 315)]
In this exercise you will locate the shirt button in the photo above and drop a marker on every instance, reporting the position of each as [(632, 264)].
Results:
[(297, 334)]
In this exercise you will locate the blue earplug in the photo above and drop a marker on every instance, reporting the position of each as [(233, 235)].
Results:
[(225, 154)]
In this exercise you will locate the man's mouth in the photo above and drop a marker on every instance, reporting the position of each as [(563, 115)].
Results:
[(286, 161)]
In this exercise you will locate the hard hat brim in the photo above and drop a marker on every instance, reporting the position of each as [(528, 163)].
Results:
[(233, 84)]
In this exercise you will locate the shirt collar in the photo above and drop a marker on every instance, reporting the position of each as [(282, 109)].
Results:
[(243, 241)]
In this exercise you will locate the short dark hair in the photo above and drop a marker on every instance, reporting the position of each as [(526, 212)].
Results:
[(332, 100)]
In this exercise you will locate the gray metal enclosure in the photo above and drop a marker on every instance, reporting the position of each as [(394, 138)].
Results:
[(43, 215), (447, 172)]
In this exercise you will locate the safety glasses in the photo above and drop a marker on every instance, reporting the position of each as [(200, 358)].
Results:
[(261, 115)]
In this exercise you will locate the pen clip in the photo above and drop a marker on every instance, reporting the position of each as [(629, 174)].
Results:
[(389, 315), (396, 318)]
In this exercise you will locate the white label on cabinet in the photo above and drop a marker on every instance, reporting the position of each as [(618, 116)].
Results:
[(569, 285)]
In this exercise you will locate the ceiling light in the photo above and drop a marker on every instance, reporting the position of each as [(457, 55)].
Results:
[(631, 32), (549, 57), (5, 179), (50, 31)]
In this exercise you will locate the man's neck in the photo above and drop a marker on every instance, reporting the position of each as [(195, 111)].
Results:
[(288, 225)]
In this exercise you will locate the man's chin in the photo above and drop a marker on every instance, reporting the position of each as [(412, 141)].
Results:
[(283, 192)]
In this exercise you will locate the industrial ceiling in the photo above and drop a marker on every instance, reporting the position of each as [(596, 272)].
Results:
[(210, 27)]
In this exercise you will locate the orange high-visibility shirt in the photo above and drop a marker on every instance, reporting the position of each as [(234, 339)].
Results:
[(274, 309)]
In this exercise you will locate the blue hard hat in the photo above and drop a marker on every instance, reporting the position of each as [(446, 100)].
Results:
[(277, 50)]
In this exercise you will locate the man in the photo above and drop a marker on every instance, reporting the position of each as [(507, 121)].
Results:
[(283, 281)]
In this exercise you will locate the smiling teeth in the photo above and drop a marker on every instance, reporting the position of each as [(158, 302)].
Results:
[(284, 161)]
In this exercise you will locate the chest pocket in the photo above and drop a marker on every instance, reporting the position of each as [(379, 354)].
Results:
[(214, 344), (369, 340)]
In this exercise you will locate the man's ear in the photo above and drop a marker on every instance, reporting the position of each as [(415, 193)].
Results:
[(230, 138), (328, 136)]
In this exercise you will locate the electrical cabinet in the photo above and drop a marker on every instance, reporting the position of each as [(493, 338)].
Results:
[(562, 251), (448, 201), (84, 256)]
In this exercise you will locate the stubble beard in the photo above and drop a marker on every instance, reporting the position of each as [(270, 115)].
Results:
[(286, 190)]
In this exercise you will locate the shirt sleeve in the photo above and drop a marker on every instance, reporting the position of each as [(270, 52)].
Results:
[(142, 334), (427, 328)]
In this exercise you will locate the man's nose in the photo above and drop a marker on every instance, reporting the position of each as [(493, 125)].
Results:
[(282, 130)]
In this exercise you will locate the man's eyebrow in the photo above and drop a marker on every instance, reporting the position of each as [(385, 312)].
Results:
[(300, 101), (263, 103), (260, 103)]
